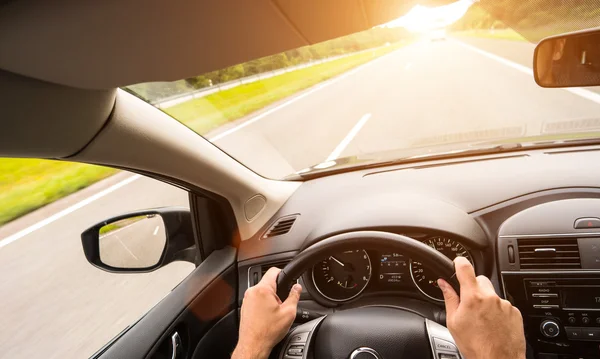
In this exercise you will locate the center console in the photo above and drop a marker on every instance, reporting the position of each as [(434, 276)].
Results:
[(561, 312), (549, 261)]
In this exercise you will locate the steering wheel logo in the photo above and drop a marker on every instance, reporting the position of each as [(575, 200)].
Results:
[(364, 353)]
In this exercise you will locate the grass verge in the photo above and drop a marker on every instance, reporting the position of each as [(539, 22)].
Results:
[(28, 184), (207, 113), (504, 34), (120, 224)]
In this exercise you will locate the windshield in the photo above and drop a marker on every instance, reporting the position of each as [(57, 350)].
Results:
[(434, 80)]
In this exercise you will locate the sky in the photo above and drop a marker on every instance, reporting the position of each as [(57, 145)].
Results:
[(421, 18)]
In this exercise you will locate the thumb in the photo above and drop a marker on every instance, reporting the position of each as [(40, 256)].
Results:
[(451, 299), (294, 297)]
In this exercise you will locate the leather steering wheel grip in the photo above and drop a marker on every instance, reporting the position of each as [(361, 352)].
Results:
[(369, 240)]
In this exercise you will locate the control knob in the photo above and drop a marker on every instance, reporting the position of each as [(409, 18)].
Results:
[(550, 329)]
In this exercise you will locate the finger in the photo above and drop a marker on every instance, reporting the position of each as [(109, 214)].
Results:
[(451, 299), (485, 285), (293, 298), (270, 278), (465, 275)]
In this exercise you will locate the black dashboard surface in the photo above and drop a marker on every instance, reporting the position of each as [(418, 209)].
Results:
[(466, 199), (447, 197)]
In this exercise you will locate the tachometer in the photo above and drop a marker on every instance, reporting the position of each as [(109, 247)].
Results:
[(424, 278), (342, 276)]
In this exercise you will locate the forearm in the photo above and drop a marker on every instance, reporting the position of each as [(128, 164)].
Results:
[(249, 351)]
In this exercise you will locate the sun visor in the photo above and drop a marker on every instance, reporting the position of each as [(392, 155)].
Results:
[(108, 44)]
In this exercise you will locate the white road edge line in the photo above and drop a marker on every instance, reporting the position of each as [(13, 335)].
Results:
[(127, 248), (66, 211), (291, 101), (349, 137), (586, 94), (30, 229)]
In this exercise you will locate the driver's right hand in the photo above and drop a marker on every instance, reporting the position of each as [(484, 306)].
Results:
[(483, 325)]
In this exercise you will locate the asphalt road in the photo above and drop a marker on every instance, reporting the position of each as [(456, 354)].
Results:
[(55, 305), (134, 245), (423, 94)]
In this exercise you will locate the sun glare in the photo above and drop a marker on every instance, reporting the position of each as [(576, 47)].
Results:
[(421, 18)]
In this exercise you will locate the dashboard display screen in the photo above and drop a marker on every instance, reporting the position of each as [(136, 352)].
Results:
[(583, 298), (393, 269)]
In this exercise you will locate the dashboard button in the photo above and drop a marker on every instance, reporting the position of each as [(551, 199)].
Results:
[(545, 301), (545, 295), (590, 222), (534, 283), (572, 320), (590, 333), (540, 306), (542, 290), (511, 254), (573, 333), (585, 320)]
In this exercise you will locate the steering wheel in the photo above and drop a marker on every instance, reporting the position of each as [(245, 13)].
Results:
[(375, 332)]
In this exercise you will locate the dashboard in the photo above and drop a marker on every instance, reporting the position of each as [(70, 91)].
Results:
[(528, 221)]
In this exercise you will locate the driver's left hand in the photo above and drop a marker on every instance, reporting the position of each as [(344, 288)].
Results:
[(265, 320)]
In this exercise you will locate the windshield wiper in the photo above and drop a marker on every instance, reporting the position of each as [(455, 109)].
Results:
[(346, 165)]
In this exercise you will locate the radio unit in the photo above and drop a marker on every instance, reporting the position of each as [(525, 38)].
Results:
[(576, 294), (561, 310)]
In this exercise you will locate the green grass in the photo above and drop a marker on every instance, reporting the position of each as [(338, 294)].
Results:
[(28, 184), (120, 224), (504, 34), (205, 114)]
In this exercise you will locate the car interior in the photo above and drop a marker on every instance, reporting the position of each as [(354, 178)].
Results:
[(367, 244)]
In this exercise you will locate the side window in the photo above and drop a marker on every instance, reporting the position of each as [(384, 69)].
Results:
[(54, 303)]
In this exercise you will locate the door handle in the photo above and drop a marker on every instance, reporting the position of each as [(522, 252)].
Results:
[(176, 345)]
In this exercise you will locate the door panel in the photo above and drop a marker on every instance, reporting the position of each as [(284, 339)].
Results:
[(221, 339), (193, 307)]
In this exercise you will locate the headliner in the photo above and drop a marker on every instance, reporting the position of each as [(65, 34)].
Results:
[(108, 44)]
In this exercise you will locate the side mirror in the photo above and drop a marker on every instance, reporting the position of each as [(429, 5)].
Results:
[(568, 60), (141, 241)]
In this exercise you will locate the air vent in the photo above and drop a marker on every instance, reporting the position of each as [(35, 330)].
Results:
[(546, 253), (265, 267), (255, 273), (282, 226)]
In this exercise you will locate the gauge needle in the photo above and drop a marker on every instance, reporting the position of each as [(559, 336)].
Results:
[(337, 260)]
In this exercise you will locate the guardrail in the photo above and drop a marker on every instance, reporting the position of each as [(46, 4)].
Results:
[(188, 96)]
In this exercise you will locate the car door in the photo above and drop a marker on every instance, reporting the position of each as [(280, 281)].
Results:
[(198, 318), (70, 307)]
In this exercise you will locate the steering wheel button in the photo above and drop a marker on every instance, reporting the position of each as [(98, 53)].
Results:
[(299, 337), (443, 345), (448, 356), (295, 351)]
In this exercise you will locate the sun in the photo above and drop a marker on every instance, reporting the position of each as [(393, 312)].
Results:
[(421, 18)]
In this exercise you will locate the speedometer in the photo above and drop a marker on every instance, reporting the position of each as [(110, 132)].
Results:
[(342, 276), (424, 278)]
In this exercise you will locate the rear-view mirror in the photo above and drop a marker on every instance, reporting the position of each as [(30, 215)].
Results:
[(140, 241), (568, 60)]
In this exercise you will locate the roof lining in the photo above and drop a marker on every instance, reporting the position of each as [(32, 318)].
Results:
[(289, 21)]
